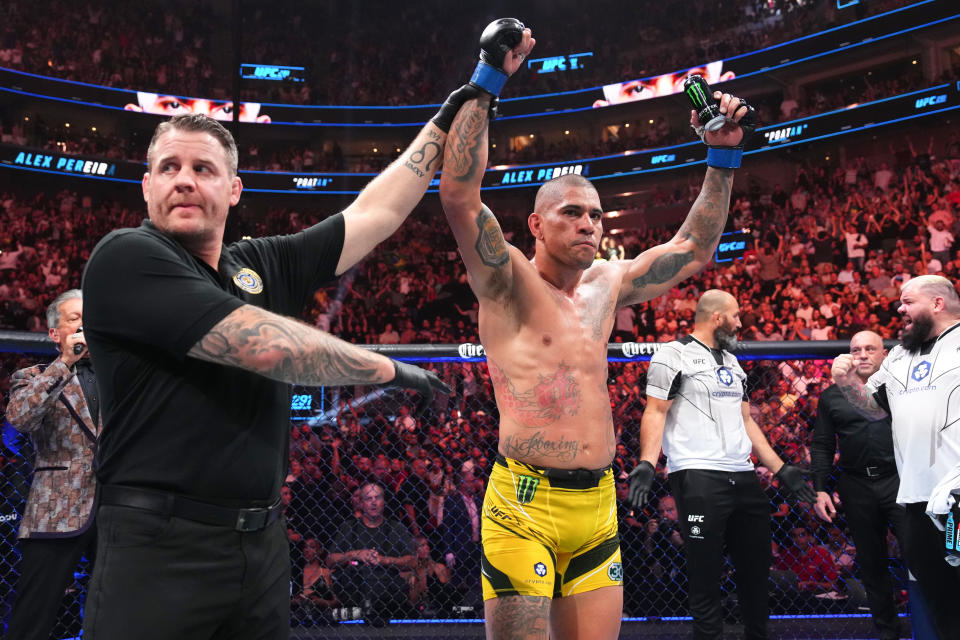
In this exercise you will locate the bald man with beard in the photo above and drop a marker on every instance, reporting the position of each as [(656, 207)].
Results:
[(916, 386), (698, 411)]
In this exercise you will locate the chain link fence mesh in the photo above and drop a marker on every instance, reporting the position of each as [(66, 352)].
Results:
[(342, 438)]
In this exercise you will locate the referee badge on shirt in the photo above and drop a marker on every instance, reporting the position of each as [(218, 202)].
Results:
[(248, 280), (526, 488)]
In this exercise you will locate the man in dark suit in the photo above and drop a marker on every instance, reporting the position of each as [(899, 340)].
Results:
[(58, 406)]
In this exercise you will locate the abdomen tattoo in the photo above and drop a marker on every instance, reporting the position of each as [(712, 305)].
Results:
[(551, 398)]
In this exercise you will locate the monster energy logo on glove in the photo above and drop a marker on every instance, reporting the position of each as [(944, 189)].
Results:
[(526, 488)]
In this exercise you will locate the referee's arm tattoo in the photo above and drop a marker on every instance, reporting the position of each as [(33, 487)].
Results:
[(287, 350)]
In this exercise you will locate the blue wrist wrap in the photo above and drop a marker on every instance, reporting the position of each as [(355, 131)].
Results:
[(488, 78), (724, 158)]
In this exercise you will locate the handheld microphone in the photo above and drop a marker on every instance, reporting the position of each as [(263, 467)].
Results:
[(79, 347)]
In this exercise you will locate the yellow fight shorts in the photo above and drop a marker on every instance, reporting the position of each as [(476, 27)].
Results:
[(549, 532)]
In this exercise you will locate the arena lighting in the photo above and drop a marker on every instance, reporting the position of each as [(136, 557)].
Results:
[(552, 64), (917, 15), (938, 99), (271, 72)]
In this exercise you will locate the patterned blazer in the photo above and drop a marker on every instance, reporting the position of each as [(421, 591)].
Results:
[(48, 403)]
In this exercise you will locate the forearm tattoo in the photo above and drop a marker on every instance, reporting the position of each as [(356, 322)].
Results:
[(663, 269), (707, 217), (539, 446), (283, 349), (422, 160), (490, 244), (467, 141), (550, 399), (861, 399)]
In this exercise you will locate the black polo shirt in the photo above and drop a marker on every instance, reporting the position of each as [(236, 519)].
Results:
[(862, 442), (179, 424)]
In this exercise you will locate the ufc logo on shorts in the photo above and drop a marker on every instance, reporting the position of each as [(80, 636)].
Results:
[(693, 518)]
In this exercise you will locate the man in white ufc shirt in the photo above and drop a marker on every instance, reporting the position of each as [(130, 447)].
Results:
[(918, 384), (699, 412)]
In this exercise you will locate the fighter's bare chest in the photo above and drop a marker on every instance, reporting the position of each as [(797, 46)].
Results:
[(585, 315)]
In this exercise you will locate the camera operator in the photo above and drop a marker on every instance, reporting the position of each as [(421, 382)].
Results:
[(58, 405)]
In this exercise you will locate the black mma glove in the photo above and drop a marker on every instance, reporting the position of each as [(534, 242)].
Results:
[(420, 380), (791, 477), (448, 110), (496, 41), (641, 482)]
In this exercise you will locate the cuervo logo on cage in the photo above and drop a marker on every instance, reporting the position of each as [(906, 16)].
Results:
[(634, 349), (470, 350)]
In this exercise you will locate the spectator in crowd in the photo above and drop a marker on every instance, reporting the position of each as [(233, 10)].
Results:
[(941, 241), (661, 565), (810, 562), (460, 529), (368, 555), (314, 598), (429, 582), (413, 496)]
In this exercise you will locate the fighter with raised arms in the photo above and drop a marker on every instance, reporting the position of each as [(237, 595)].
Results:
[(551, 556)]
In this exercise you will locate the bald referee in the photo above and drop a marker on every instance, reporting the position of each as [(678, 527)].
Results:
[(917, 385), (698, 410)]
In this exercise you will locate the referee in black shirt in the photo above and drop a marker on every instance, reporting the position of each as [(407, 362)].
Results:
[(867, 484), (195, 348)]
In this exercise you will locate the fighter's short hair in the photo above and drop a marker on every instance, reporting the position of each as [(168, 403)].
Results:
[(550, 188)]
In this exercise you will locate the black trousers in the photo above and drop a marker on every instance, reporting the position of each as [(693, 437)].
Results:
[(870, 505), (717, 509), (939, 582), (46, 570), (159, 577)]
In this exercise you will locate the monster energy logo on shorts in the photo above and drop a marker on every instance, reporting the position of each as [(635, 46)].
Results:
[(526, 488)]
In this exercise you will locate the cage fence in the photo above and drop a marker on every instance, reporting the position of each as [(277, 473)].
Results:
[(430, 468)]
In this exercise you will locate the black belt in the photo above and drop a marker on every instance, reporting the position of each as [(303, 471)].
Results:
[(171, 504), (565, 478), (874, 471)]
